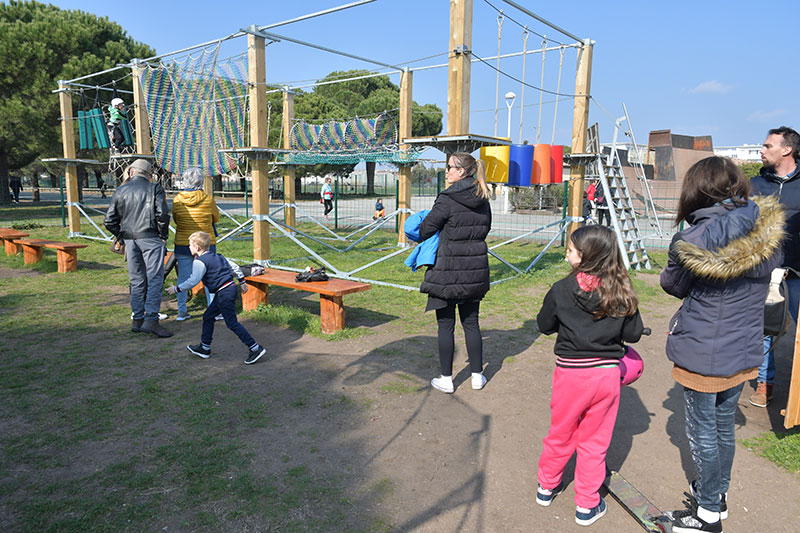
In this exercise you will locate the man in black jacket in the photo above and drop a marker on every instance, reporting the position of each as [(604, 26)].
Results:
[(780, 175), (139, 215)]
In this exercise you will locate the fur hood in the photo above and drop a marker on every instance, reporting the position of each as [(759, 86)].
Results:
[(741, 254)]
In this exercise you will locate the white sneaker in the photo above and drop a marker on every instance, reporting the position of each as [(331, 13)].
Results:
[(444, 384), (478, 381), (219, 317), (181, 318), (161, 316)]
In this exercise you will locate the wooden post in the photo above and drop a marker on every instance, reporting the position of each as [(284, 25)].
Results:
[(791, 415), (70, 169), (257, 92), (140, 118), (580, 124), (289, 198), (459, 65), (404, 176), (208, 185)]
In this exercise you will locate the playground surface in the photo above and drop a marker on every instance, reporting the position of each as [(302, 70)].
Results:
[(356, 420)]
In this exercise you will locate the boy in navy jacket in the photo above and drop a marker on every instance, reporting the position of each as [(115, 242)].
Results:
[(217, 274)]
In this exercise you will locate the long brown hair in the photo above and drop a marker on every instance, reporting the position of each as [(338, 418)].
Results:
[(473, 167), (710, 181), (600, 257)]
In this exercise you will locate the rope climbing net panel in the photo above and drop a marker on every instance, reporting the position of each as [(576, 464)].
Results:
[(344, 142), (197, 105)]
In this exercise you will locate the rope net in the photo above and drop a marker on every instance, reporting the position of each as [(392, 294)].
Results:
[(197, 106), (345, 142)]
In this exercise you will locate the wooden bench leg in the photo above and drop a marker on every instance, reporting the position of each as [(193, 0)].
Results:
[(12, 248), (257, 293), (331, 313), (67, 260), (32, 254)]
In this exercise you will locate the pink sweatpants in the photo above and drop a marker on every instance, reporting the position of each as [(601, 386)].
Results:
[(583, 411)]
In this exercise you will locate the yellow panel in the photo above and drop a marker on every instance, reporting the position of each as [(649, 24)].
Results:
[(496, 160)]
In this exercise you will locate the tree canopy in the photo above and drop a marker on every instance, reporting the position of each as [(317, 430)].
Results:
[(41, 44)]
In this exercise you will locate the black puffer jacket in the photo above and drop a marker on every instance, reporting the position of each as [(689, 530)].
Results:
[(463, 220), (138, 210)]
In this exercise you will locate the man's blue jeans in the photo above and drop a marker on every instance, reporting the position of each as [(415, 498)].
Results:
[(710, 429), (766, 372), (145, 258)]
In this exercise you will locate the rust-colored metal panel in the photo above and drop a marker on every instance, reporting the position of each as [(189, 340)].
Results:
[(682, 141), (663, 165), (660, 138), (703, 143)]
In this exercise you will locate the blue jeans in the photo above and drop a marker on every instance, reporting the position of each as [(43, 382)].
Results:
[(225, 304), (710, 429), (145, 258), (766, 372), (185, 259)]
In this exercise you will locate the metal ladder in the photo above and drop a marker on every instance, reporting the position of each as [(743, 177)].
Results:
[(608, 171)]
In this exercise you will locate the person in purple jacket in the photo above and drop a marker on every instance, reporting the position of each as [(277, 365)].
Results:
[(720, 267)]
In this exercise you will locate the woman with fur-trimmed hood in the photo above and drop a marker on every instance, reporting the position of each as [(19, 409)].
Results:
[(720, 266)]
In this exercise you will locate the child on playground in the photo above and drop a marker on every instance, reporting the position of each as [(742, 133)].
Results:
[(116, 113), (593, 310), (216, 272), (380, 212)]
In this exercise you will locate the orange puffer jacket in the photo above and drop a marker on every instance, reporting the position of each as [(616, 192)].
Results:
[(193, 211)]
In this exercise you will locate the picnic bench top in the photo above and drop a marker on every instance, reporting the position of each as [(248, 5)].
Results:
[(49, 244), (332, 287), (11, 233)]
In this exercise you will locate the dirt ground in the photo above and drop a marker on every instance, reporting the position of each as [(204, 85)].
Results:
[(467, 461), (428, 461)]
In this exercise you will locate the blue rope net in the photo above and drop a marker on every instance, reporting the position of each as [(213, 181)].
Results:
[(347, 142), (196, 107)]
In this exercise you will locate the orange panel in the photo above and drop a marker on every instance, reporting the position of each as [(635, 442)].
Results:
[(541, 164)]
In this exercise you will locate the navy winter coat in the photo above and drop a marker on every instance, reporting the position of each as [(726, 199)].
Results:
[(788, 192), (720, 267), (463, 220)]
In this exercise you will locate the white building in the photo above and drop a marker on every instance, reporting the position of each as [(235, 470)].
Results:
[(748, 153)]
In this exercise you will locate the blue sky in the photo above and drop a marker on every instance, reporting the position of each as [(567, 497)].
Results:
[(725, 69)]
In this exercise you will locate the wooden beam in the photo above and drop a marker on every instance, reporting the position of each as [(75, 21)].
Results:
[(70, 169), (404, 176), (289, 195), (791, 415), (580, 124), (140, 118), (257, 92), (459, 65)]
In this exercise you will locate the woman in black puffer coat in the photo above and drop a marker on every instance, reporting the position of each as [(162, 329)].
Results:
[(460, 276)]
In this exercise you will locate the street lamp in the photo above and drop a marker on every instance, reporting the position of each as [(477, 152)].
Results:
[(510, 97)]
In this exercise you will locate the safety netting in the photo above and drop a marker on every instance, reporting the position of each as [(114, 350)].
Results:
[(197, 105), (350, 141)]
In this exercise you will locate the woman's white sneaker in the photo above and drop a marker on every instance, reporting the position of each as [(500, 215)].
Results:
[(444, 384), (478, 380)]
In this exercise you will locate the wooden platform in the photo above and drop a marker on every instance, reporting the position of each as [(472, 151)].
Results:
[(7, 236), (331, 307), (32, 250)]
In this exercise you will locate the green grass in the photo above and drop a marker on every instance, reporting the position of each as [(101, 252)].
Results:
[(783, 449)]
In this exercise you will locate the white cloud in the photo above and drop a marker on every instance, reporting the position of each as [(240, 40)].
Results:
[(766, 116), (711, 87)]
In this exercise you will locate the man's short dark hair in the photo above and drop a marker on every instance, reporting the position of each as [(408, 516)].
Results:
[(790, 138)]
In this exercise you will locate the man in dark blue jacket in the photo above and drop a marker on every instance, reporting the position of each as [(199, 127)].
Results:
[(780, 175)]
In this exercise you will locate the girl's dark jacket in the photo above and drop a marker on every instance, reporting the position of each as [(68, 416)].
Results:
[(721, 268), (463, 220)]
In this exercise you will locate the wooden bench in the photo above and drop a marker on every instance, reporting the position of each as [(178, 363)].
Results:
[(331, 309), (32, 250), (6, 237)]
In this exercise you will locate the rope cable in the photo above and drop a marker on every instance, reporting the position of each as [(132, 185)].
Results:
[(520, 81), (497, 84), (518, 23), (522, 90), (558, 88), (541, 95)]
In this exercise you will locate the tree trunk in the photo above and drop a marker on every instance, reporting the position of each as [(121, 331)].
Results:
[(370, 178), (5, 195), (35, 187)]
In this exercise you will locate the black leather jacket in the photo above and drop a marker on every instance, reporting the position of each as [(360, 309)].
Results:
[(138, 210)]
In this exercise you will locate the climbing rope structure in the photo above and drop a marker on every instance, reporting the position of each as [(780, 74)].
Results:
[(197, 105)]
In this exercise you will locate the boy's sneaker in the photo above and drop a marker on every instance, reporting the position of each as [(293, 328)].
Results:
[(545, 497), (723, 501), (478, 381), (219, 317), (688, 521), (181, 318), (587, 517), (199, 351), (254, 355), (444, 384)]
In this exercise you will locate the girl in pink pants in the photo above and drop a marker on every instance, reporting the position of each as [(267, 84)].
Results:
[(594, 311)]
